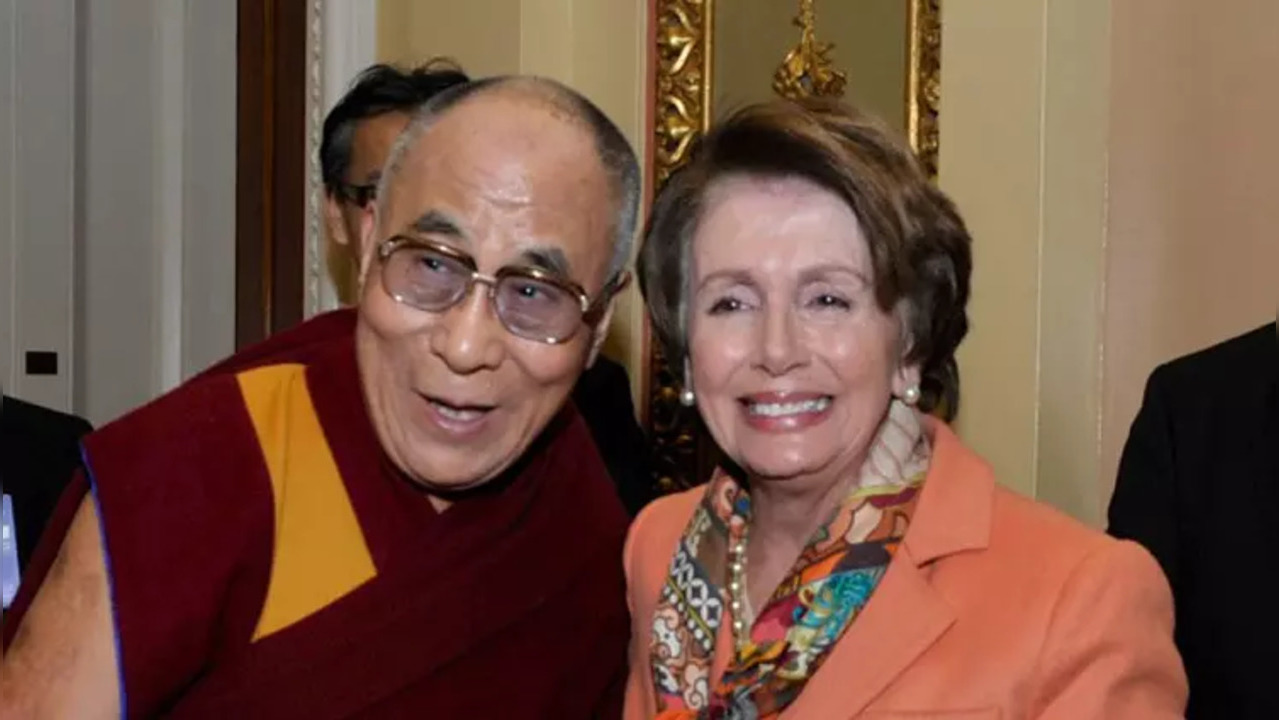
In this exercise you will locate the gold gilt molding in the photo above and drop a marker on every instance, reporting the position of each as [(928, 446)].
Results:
[(684, 77), (923, 79), (807, 69), (684, 49), (684, 37)]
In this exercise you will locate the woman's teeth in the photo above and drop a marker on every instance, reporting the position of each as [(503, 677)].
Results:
[(792, 408)]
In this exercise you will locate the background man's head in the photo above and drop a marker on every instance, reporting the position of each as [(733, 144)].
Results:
[(358, 135), (510, 173)]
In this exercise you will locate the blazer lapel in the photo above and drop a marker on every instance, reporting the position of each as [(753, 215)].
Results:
[(903, 619), (907, 615)]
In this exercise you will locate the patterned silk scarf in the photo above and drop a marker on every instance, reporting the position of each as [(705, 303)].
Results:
[(809, 611)]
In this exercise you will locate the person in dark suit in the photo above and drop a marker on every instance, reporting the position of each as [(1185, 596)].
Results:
[(1198, 485), (39, 450)]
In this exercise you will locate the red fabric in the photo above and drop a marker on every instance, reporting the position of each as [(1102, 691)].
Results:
[(510, 604), (296, 344)]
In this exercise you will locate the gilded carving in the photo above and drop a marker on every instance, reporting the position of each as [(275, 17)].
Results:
[(807, 69), (683, 79), (682, 113), (924, 81)]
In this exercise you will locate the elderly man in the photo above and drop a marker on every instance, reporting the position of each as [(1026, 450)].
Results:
[(358, 135), (399, 518)]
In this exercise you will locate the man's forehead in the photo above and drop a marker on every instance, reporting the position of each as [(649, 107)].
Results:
[(511, 154)]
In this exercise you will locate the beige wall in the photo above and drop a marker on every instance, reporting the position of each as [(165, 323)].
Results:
[(991, 163), (1193, 256), (1113, 160), (595, 46)]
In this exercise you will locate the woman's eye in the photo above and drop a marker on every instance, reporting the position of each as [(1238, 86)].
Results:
[(726, 305), (827, 300)]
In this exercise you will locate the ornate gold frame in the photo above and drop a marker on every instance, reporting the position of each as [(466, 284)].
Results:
[(683, 58)]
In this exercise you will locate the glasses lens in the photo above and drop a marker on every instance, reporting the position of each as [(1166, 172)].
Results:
[(425, 278), (537, 309)]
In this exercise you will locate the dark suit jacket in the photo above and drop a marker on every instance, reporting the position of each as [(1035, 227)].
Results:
[(603, 396), (1199, 486), (39, 451)]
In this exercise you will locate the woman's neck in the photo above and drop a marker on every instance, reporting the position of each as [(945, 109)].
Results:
[(784, 516), (791, 510)]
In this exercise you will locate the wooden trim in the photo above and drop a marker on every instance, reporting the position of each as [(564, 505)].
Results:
[(270, 167)]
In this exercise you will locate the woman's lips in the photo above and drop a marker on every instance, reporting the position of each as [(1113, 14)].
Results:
[(785, 412)]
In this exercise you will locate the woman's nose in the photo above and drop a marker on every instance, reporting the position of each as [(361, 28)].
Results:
[(781, 349)]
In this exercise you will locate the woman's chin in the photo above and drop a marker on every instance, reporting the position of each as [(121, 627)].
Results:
[(778, 469)]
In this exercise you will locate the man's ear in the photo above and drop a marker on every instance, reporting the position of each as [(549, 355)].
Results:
[(333, 220), (600, 333), (368, 239)]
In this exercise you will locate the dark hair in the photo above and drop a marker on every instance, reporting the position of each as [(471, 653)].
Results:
[(377, 90), (615, 153), (919, 247)]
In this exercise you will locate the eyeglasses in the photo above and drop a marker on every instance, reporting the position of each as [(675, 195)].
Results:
[(357, 195), (530, 302)]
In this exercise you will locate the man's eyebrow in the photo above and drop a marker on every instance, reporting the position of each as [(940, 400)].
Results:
[(434, 222), (551, 259)]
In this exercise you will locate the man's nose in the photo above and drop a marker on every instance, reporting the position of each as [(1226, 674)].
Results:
[(469, 336)]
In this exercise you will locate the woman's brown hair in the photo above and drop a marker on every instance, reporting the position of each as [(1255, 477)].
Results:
[(920, 249)]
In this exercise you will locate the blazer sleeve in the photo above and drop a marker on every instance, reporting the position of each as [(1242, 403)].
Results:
[(1144, 505), (1109, 650), (640, 698)]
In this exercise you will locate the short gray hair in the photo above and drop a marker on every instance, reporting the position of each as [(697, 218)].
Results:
[(615, 153)]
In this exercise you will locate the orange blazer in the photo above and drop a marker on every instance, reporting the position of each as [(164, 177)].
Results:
[(994, 607)]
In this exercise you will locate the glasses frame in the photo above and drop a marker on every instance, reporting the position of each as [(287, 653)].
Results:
[(591, 310)]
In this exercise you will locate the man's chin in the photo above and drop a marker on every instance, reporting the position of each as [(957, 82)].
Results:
[(467, 471)]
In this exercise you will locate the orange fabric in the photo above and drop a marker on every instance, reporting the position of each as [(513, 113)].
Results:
[(995, 607), (319, 551)]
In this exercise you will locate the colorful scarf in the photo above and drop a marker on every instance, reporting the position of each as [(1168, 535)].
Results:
[(809, 611)]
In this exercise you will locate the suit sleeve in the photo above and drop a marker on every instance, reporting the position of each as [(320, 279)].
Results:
[(44, 555), (1144, 505), (1109, 650)]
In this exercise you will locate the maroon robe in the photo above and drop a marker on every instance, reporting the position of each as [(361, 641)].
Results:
[(509, 604)]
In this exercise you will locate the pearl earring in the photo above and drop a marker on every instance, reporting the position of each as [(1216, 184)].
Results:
[(687, 398), (911, 395)]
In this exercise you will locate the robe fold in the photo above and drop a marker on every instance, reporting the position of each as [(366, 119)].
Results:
[(266, 559)]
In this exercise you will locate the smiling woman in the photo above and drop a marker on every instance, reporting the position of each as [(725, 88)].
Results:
[(711, 57), (812, 283)]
